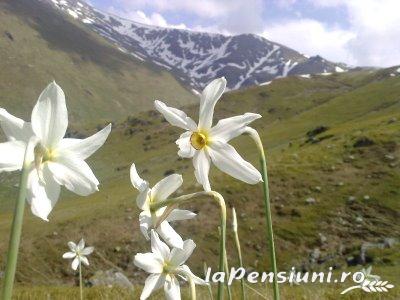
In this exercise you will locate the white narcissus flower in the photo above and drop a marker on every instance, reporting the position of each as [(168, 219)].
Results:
[(56, 160), (161, 191), (78, 253), (368, 276), (205, 143), (165, 266)]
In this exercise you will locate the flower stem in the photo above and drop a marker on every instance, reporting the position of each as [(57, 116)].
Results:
[(210, 294), (267, 205), (80, 279), (228, 287), (238, 249), (192, 288), (174, 202), (16, 228)]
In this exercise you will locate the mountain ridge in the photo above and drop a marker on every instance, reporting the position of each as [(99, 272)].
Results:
[(196, 58)]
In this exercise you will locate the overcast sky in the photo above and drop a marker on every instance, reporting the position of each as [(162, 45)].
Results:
[(357, 32)]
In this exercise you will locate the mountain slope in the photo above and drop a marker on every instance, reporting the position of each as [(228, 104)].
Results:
[(195, 57), (355, 184), (39, 44)]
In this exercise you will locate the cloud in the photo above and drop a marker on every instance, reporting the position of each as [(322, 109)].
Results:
[(312, 37), (366, 32), (139, 16), (227, 16), (376, 29)]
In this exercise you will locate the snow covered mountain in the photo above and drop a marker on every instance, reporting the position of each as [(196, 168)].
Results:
[(197, 57)]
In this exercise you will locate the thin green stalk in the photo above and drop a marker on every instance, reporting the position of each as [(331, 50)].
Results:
[(80, 279), (238, 249), (228, 287), (192, 288), (174, 202), (16, 227), (210, 294), (267, 205), (226, 268)]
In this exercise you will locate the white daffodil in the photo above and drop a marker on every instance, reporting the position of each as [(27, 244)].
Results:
[(165, 266), (56, 160), (161, 191), (78, 253), (205, 143)]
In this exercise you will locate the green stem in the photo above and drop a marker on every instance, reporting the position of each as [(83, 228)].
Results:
[(16, 228), (267, 205), (192, 288), (228, 287), (174, 202), (239, 251), (210, 294), (80, 279)]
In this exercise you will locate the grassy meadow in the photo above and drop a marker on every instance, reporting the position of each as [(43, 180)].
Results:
[(350, 168)]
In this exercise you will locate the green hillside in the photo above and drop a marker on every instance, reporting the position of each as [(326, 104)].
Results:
[(348, 163), (39, 44)]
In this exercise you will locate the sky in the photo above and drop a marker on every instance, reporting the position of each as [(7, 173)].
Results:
[(356, 32)]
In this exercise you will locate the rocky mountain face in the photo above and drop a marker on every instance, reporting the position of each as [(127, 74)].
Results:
[(198, 57)]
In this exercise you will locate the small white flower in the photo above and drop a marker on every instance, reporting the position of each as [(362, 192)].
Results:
[(164, 266), (368, 276), (78, 253), (161, 191), (55, 160), (205, 143)]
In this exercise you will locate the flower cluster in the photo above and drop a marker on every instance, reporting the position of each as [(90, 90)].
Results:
[(204, 144), (52, 160)]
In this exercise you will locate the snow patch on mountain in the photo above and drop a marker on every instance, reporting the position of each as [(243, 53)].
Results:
[(196, 58)]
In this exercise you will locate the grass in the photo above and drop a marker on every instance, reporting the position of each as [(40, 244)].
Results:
[(254, 291), (330, 169)]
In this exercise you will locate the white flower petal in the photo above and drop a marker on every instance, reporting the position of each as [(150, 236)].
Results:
[(201, 163), (158, 247), (143, 199), (69, 255), (84, 260), (175, 116), (153, 283), (227, 129), (14, 128), (197, 280), (209, 98), (180, 214), (87, 251), (145, 224), (81, 245), (225, 157), (42, 195), (137, 181), (179, 256), (72, 246), (84, 148), (12, 156), (169, 235), (172, 288), (149, 262), (185, 147), (165, 187), (50, 116), (74, 174), (75, 263)]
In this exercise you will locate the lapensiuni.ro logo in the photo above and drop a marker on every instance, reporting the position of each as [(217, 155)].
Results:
[(363, 279)]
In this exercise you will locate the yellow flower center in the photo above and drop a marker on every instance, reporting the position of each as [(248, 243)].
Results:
[(43, 154), (198, 140)]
